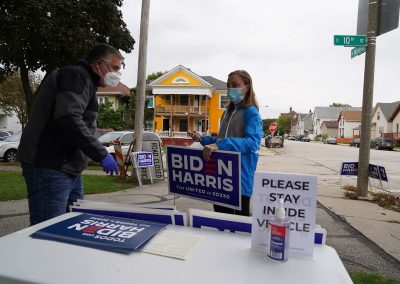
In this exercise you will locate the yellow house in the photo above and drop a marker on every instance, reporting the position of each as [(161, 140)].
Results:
[(185, 101)]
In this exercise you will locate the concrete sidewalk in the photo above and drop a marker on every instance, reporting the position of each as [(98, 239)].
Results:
[(380, 225)]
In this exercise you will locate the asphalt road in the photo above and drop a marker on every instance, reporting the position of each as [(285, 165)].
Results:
[(304, 157)]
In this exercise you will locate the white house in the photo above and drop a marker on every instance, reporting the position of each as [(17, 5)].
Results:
[(382, 120), (293, 124), (304, 123), (396, 122), (115, 95), (300, 123), (9, 122), (322, 114), (349, 122), (330, 128)]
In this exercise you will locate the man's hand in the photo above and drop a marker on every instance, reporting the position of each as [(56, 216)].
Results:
[(109, 165), (207, 151)]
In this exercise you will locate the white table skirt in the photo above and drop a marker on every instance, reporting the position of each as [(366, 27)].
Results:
[(220, 258)]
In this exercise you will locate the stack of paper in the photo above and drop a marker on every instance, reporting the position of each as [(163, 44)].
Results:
[(173, 244)]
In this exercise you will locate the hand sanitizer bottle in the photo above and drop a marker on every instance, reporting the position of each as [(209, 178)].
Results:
[(278, 235)]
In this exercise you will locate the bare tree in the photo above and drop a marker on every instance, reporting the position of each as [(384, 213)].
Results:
[(12, 96)]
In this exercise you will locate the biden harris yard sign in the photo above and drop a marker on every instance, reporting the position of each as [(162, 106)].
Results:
[(216, 181)]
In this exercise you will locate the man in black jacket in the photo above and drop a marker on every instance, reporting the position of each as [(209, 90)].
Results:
[(60, 134)]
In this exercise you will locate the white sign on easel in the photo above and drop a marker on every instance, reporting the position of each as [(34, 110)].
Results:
[(299, 194)]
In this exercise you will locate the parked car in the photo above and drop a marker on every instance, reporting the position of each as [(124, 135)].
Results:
[(303, 138), (276, 141), (382, 143), (125, 137), (4, 134), (102, 131), (330, 141), (266, 140), (292, 137), (355, 142), (299, 137), (9, 147)]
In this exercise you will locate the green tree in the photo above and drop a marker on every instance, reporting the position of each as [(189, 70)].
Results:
[(12, 99), (154, 75), (339, 105), (284, 124), (42, 34), (110, 118)]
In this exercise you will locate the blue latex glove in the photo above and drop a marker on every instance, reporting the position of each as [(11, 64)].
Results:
[(109, 165)]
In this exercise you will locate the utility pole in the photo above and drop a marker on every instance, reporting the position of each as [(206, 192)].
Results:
[(368, 91), (141, 84), (141, 75)]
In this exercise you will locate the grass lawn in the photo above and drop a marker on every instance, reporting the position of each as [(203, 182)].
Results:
[(13, 187), (371, 278)]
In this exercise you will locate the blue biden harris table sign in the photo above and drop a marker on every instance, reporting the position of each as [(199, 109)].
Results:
[(216, 181)]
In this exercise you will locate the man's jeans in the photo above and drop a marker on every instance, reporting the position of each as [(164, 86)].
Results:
[(49, 192)]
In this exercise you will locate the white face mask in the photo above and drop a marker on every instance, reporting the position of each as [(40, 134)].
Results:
[(111, 79)]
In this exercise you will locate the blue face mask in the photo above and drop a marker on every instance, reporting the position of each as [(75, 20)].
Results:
[(235, 95)]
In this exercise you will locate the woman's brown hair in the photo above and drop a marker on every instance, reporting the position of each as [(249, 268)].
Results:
[(250, 97)]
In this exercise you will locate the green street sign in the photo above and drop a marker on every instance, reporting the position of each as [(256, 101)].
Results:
[(357, 51), (349, 40)]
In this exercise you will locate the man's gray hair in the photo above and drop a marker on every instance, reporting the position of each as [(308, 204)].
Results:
[(101, 51)]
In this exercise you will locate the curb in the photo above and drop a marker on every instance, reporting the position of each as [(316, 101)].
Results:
[(369, 243)]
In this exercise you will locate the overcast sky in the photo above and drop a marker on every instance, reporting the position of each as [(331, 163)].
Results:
[(286, 46)]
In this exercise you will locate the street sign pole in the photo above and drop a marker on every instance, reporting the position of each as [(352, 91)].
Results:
[(368, 91)]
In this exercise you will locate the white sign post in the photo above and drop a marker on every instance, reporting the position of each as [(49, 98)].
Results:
[(299, 195)]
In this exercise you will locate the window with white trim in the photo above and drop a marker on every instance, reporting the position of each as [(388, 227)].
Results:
[(150, 103), (223, 101), (180, 80)]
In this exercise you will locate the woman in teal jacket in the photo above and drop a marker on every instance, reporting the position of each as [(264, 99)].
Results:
[(240, 131)]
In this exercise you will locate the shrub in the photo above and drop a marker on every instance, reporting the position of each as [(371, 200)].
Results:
[(350, 192)]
